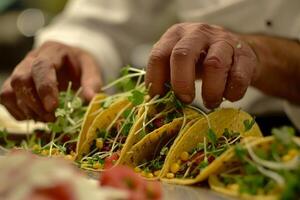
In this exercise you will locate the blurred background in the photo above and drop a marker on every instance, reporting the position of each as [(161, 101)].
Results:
[(19, 22)]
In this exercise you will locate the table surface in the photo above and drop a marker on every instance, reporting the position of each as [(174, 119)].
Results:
[(180, 192)]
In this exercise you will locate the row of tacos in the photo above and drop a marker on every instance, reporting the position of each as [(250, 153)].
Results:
[(180, 144), (159, 139), (163, 139)]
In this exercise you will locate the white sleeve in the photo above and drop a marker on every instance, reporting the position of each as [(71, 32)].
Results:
[(293, 112)]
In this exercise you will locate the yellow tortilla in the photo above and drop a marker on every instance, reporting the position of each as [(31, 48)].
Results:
[(231, 119), (134, 135), (216, 185), (154, 141), (101, 122), (231, 161), (91, 113)]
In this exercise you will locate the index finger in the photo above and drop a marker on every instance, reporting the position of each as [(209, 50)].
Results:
[(44, 76), (158, 68)]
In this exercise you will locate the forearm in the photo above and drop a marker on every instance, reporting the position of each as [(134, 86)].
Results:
[(278, 70)]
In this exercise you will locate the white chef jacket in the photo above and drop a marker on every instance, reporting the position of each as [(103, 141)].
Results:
[(118, 32)]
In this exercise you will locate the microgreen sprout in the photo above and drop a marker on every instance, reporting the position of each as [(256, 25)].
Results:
[(267, 168), (248, 124)]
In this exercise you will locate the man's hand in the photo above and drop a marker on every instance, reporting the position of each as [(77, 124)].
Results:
[(33, 88), (225, 63)]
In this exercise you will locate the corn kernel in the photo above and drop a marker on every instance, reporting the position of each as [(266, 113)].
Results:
[(97, 165), (149, 175), (157, 173), (287, 157), (137, 169), (69, 157), (170, 175), (36, 147), (45, 152), (290, 155), (144, 174), (293, 152), (175, 168), (179, 162), (234, 187), (99, 143), (84, 165), (54, 151), (184, 156), (73, 153)]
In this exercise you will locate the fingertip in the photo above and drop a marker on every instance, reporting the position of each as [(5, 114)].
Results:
[(186, 98), (88, 94), (210, 104), (50, 103)]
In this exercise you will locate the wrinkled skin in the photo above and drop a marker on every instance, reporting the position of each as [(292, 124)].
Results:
[(187, 51), (32, 89)]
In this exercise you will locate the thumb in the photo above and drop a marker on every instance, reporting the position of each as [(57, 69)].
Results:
[(91, 80)]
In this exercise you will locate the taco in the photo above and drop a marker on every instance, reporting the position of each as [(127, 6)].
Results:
[(147, 157), (125, 122), (156, 113), (93, 110), (106, 134), (198, 153), (267, 168)]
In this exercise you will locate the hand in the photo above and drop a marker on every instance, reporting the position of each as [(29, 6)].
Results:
[(32, 89), (225, 63)]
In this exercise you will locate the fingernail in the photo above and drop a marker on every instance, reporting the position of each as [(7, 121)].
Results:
[(50, 103), (185, 98)]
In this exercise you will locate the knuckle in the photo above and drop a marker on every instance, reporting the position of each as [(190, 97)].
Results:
[(202, 27), (40, 63), (180, 51), (177, 27), (157, 55), (216, 62), (239, 79), (18, 80)]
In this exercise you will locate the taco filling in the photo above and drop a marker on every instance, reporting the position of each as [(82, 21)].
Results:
[(193, 162), (152, 167), (111, 140), (267, 168), (159, 112)]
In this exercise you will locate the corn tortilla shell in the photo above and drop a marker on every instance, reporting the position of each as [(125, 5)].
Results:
[(224, 118)]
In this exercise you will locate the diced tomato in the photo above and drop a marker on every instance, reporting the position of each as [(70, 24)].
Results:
[(58, 192), (110, 161), (65, 138), (198, 157), (124, 178), (158, 122), (71, 147), (211, 159)]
